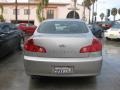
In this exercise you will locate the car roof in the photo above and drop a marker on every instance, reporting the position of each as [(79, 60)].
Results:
[(5, 23), (63, 20)]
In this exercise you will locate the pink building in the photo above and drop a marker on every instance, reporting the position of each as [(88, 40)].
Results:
[(53, 10)]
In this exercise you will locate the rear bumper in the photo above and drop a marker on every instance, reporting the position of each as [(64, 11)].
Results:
[(116, 36), (45, 66)]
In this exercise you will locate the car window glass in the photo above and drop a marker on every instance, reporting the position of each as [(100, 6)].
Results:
[(5, 28), (12, 27), (16, 25), (63, 27)]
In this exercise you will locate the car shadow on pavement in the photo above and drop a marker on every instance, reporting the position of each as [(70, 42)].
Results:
[(62, 83), (9, 55)]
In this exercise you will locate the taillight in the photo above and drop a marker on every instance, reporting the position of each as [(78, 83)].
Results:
[(30, 46), (94, 47)]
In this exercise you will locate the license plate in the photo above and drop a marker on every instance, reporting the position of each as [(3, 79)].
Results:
[(63, 70)]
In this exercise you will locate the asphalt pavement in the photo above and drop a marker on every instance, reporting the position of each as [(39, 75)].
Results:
[(13, 77)]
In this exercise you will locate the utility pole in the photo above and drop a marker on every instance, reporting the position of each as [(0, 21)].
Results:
[(93, 14), (96, 12), (89, 14), (16, 12)]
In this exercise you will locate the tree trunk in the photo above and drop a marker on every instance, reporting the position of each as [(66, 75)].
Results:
[(89, 14), (16, 12), (114, 18), (42, 9), (84, 12), (42, 13), (93, 13)]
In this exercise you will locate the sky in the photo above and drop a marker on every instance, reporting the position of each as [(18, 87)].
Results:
[(102, 5)]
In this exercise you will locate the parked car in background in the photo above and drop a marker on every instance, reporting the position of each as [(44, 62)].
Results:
[(106, 25), (10, 38), (96, 30), (113, 32), (90, 26), (63, 48), (28, 28)]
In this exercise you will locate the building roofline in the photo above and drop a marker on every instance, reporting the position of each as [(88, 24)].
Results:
[(25, 3)]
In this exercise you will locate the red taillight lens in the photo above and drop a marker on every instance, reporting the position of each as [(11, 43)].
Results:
[(95, 47), (29, 46)]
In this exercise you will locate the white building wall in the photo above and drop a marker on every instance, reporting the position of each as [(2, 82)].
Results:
[(62, 12)]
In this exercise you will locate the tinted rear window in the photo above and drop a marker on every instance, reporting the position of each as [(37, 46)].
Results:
[(7, 27), (63, 27)]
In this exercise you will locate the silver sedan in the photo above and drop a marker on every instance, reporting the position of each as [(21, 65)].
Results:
[(63, 48)]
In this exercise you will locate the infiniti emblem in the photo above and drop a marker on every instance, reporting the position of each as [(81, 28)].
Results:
[(62, 46)]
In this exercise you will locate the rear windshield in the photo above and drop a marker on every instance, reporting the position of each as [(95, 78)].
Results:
[(6, 27), (63, 27)]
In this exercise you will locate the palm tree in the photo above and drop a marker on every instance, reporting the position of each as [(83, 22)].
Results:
[(16, 11), (75, 2), (102, 15), (119, 11), (87, 3), (40, 9), (95, 14), (114, 13), (44, 3), (93, 2)]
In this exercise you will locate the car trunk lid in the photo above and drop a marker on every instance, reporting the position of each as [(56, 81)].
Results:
[(63, 45)]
